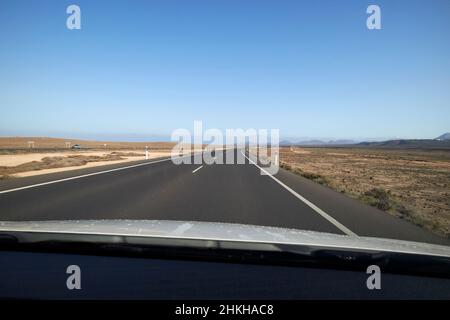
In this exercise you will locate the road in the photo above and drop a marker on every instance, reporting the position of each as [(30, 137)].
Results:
[(235, 193)]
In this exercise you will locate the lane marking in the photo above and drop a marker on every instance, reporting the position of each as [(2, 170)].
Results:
[(83, 176), (307, 202), (197, 169)]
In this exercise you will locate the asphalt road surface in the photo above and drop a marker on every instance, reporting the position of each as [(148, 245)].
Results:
[(237, 193)]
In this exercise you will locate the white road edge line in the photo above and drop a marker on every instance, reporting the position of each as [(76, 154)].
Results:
[(82, 176), (330, 219), (197, 169)]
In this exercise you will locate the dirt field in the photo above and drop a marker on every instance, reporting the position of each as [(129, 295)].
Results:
[(27, 156), (29, 164), (17, 144), (411, 184)]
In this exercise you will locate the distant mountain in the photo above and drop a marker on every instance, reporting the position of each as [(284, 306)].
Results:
[(441, 142), (285, 143), (341, 141), (316, 142), (445, 136), (310, 143), (408, 144)]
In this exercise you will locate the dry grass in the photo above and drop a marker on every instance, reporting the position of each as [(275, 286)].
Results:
[(411, 184), (5, 177), (128, 154)]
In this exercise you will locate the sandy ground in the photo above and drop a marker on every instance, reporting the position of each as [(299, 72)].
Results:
[(13, 160), (89, 165)]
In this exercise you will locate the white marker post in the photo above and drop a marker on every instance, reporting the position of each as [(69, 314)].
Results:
[(146, 152)]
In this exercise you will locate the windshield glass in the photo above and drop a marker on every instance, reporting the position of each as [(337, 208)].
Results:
[(323, 116)]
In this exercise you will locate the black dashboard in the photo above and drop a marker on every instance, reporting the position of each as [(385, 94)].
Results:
[(44, 275)]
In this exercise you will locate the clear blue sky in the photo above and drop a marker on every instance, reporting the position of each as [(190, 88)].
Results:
[(144, 68)]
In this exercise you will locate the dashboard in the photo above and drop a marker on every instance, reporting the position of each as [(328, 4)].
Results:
[(43, 275)]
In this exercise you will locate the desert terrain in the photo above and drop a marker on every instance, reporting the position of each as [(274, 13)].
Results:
[(26, 144), (410, 184), (27, 156)]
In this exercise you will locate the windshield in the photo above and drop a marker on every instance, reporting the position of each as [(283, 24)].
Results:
[(320, 116)]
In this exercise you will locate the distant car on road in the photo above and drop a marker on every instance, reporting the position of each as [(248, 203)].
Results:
[(76, 146)]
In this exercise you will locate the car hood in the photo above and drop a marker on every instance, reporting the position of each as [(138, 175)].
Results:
[(222, 232)]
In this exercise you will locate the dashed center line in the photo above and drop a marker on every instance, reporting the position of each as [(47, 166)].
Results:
[(197, 169)]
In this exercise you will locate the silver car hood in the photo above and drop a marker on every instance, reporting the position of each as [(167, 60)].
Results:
[(222, 232)]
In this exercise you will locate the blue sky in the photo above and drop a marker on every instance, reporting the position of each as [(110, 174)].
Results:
[(139, 69)]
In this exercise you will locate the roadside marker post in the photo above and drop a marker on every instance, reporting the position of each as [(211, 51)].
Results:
[(146, 152)]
